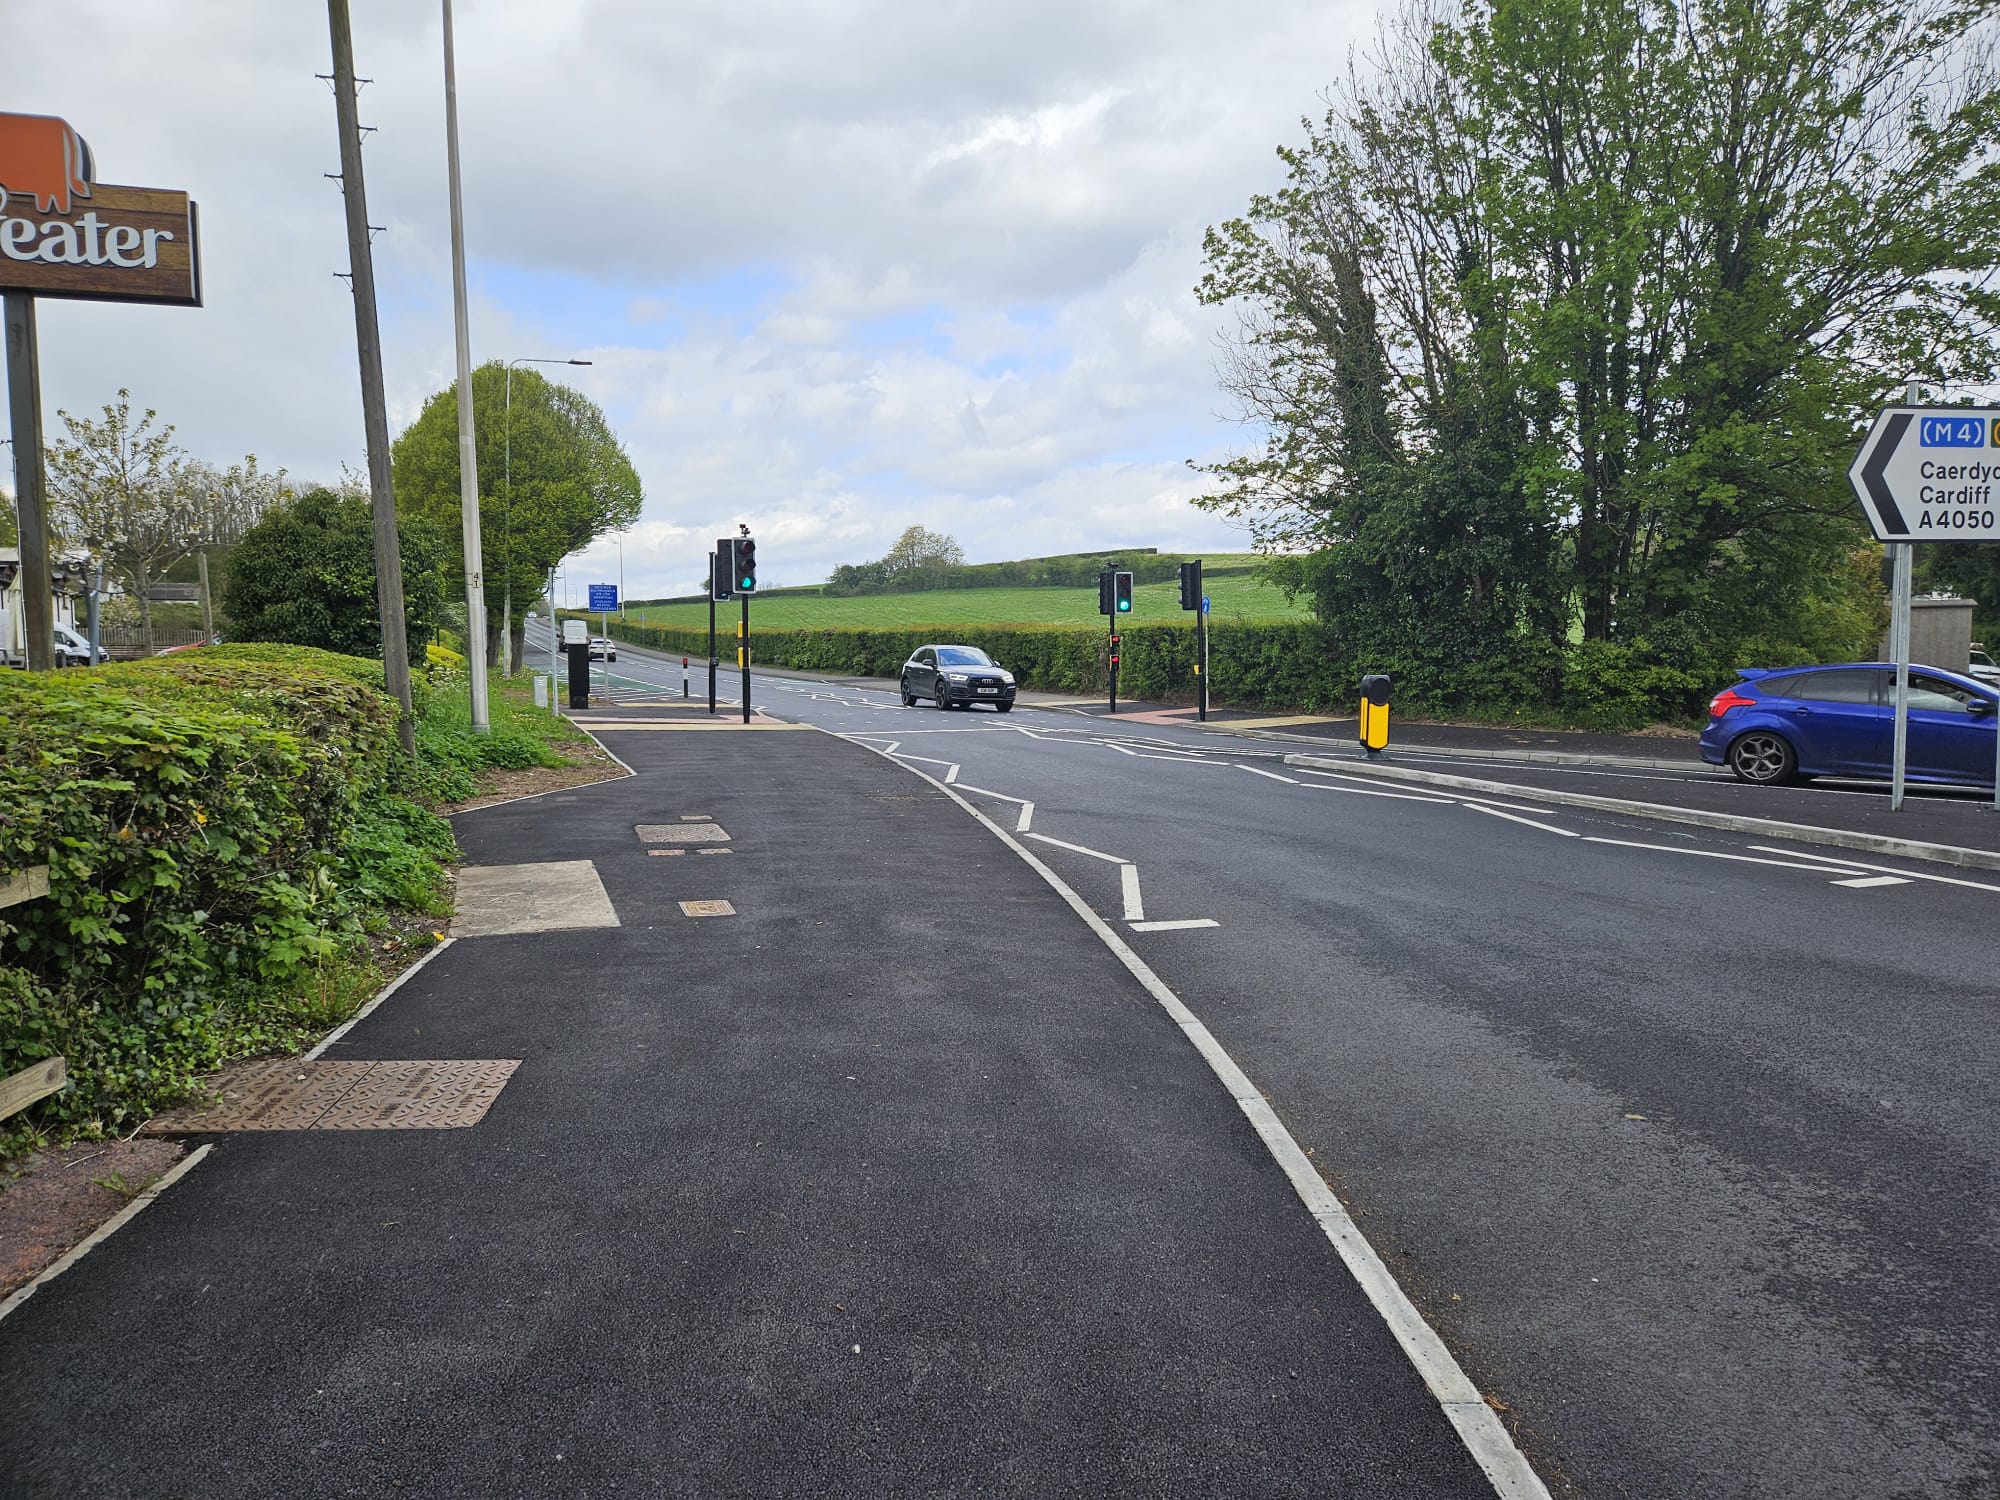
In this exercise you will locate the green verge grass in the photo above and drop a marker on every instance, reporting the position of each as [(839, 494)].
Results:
[(1236, 598)]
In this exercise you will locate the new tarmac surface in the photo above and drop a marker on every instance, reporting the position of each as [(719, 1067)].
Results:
[(1685, 1140), (893, 1182)]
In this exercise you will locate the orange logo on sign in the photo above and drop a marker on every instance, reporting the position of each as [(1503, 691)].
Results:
[(42, 158)]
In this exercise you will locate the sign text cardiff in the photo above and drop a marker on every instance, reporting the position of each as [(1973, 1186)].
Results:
[(1931, 474)]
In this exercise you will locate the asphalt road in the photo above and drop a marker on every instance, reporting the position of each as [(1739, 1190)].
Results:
[(1685, 1141), (850, 1193)]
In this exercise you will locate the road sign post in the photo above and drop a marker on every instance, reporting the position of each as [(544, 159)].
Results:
[(1927, 474)]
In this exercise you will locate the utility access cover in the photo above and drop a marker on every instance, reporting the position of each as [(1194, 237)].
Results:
[(291, 1094), (680, 833)]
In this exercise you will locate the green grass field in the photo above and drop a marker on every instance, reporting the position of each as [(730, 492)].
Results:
[(1233, 599)]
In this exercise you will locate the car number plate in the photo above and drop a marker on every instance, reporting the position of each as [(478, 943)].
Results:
[(989, 690)]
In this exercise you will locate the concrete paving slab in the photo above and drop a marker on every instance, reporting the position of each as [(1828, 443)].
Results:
[(552, 897)]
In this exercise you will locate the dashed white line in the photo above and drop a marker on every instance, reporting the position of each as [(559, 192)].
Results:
[(1135, 909), (1855, 864), (1271, 775), (1743, 859), (1178, 926), (1027, 807), (1114, 859), (1494, 812), (1869, 882)]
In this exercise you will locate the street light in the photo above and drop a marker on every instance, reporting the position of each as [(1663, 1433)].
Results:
[(507, 541)]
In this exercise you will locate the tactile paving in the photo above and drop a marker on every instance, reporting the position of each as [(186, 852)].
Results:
[(294, 1095), (420, 1096), (680, 833)]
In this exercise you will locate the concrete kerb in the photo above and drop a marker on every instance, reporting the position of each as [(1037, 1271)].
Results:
[(1528, 757), (1798, 833)]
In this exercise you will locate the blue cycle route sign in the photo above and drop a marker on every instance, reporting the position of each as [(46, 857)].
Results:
[(603, 598), (1204, 604)]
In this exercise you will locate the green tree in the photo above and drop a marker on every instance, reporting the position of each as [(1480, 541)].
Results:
[(1567, 315), (552, 477), (10, 524), (305, 574)]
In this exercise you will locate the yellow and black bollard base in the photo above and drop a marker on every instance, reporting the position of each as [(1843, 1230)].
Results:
[(1374, 713)]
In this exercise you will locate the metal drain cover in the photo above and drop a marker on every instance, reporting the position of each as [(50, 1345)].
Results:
[(707, 909), (293, 1095), (680, 833)]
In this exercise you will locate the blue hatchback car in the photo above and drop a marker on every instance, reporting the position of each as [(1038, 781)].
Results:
[(1790, 723)]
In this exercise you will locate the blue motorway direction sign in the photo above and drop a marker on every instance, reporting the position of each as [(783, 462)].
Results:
[(603, 598)]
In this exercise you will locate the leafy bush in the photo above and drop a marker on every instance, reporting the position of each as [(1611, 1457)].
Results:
[(218, 826)]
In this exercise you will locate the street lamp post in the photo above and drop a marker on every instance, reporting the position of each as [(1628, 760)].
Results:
[(507, 541)]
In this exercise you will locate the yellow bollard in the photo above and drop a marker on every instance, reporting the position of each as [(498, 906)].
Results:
[(1374, 713)]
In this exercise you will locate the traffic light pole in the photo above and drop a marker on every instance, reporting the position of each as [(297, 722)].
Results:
[(743, 655), (711, 632), (1201, 664), (1114, 664)]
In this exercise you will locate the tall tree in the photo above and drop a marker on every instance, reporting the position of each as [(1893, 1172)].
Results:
[(552, 477), (921, 557), (1640, 266)]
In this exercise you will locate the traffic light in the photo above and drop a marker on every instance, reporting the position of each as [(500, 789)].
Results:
[(746, 565), (1104, 592), (722, 568), (1191, 584), (1114, 650), (1121, 592)]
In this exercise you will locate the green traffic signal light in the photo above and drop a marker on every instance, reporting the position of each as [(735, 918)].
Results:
[(1124, 605)]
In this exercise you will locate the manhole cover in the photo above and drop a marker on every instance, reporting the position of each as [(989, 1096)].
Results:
[(680, 833), (707, 909), (294, 1095)]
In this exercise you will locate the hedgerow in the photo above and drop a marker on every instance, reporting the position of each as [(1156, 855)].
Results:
[(1295, 666), (220, 827)]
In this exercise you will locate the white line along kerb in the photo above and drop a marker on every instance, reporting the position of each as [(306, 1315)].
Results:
[(1478, 1426)]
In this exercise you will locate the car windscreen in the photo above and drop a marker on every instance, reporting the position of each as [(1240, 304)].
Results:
[(963, 656)]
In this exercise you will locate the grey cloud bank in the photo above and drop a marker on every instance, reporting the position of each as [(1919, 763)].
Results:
[(969, 235)]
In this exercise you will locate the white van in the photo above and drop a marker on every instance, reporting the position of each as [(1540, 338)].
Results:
[(72, 650)]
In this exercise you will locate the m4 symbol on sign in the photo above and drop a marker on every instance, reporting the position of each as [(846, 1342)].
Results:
[(1953, 432)]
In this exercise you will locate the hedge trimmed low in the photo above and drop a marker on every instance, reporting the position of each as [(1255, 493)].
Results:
[(194, 812)]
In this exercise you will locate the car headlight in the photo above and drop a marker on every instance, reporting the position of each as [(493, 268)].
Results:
[(1008, 678), (956, 677)]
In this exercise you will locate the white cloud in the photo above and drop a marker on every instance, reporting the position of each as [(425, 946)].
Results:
[(841, 265)]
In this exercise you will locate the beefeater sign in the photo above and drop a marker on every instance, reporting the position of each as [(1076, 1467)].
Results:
[(63, 234)]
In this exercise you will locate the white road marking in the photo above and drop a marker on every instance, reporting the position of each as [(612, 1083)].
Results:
[(1494, 812), (1545, 811), (1744, 859), (1478, 1425), (1180, 926), (1027, 807), (1869, 882), (1113, 859), (1273, 775), (1362, 791), (1885, 869), (1135, 909), (951, 776)]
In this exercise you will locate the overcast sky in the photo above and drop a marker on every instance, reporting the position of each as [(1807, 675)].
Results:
[(842, 267)]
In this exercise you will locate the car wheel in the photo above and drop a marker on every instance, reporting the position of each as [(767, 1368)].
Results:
[(940, 701), (1762, 758), (909, 698), (1003, 707)]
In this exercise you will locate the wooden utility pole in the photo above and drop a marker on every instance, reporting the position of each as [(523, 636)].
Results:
[(374, 401), (24, 408)]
